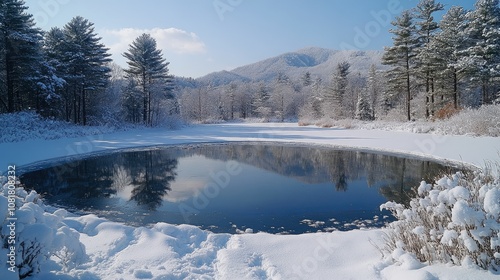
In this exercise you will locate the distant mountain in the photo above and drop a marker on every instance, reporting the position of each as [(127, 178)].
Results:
[(318, 61)]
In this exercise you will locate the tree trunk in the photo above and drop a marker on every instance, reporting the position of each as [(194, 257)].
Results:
[(455, 88), (145, 100), (84, 107), (408, 89), (74, 105), (10, 85), (484, 89)]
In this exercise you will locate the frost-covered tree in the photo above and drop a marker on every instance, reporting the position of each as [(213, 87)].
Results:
[(373, 89), (483, 52), (55, 50), (335, 93), (231, 92), (146, 65), (400, 57), (131, 100), (109, 109), (48, 101), (426, 64), (85, 59), (282, 93), (364, 111), (20, 56), (447, 49), (306, 79), (260, 103)]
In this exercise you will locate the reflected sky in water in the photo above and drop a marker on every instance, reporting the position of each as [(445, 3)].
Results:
[(232, 187)]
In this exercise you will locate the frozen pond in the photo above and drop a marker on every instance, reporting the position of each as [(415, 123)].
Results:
[(235, 187)]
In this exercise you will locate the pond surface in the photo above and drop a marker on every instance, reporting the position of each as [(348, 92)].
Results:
[(235, 187)]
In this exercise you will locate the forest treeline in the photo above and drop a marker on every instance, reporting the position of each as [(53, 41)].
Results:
[(432, 70)]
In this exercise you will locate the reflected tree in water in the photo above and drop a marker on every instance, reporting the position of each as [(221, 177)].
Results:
[(153, 179), (121, 178)]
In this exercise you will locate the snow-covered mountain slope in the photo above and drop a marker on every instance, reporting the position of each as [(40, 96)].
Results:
[(319, 62)]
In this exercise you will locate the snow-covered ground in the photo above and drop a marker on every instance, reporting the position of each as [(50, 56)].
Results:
[(165, 251)]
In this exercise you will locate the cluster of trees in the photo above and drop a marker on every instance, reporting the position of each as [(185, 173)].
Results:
[(460, 55), (278, 100), (346, 95), (66, 73)]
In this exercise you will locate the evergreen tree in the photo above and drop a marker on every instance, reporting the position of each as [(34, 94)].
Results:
[(48, 101), (401, 57), (484, 51), (85, 60), (282, 91), (306, 79), (20, 56), (54, 48), (427, 27), (364, 110), (260, 104), (146, 65), (335, 93), (373, 89), (231, 92), (130, 102), (447, 48)]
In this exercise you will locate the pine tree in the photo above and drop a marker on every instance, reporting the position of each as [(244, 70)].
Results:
[(334, 94), (282, 92), (131, 99), (306, 79), (427, 27), (231, 92), (401, 58), (447, 49), (54, 48), (260, 104), (146, 65), (20, 56), (484, 51), (85, 60), (364, 111), (373, 88)]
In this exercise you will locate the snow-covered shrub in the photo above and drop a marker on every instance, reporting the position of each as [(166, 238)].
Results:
[(456, 220), (482, 121), (40, 237), (29, 125)]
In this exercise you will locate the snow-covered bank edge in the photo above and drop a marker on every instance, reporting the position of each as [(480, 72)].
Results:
[(484, 121), (177, 252)]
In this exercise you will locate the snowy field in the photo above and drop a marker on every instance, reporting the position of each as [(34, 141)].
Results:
[(116, 251)]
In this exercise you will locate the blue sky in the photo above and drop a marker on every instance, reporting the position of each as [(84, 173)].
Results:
[(201, 36)]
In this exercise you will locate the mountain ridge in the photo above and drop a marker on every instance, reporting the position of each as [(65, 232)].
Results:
[(319, 62)]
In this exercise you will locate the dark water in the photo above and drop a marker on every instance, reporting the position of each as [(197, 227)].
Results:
[(232, 187)]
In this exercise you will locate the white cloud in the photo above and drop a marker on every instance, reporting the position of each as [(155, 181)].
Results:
[(168, 39)]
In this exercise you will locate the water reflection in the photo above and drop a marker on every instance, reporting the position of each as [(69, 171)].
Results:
[(143, 187)]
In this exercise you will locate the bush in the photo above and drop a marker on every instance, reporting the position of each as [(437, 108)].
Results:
[(447, 111), (484, 121), (456, 220), (24, 126)]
